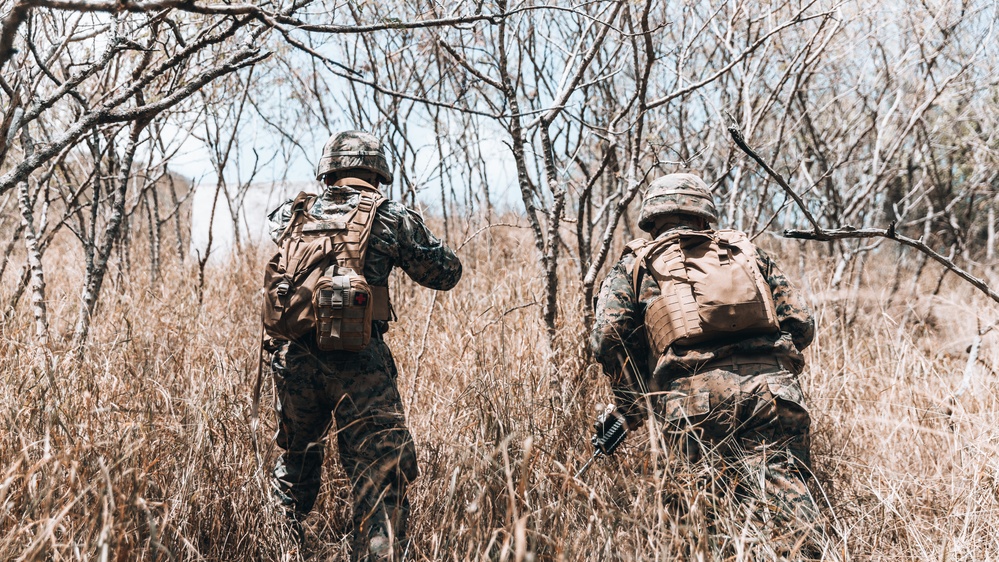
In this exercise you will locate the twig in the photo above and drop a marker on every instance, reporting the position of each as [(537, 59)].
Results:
[(485, 228), (825, 235), (423, 348), (741, 142)]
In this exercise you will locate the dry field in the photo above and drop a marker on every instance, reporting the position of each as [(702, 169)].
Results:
[(143, 449)]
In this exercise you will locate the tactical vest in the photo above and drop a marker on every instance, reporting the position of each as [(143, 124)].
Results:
[(710, 287), (315, 283)]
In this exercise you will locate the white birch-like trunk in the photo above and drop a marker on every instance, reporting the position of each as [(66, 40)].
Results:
[(37, 273), (112, 231)]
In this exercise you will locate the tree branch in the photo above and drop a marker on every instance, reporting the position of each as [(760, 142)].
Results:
[(741, 142), (825, 235)]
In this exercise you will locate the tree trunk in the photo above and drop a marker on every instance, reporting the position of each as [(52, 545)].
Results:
[(37, 274), (550, 308), (153, 216), (98, 267), (9, 248)]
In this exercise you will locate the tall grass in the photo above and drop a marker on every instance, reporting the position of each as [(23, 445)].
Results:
[(143, 448)]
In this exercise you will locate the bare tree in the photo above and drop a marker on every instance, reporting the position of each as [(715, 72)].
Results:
[(566, 110)]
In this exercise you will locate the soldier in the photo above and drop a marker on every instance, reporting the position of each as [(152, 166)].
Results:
[(703, 327), (321, 379)]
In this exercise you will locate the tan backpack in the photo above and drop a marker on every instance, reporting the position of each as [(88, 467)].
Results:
[(315, 283), (710, 284)]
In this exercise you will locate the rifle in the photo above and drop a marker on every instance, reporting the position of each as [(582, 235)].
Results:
[(609, 432)]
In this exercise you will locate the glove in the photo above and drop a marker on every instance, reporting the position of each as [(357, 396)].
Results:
[(610, 429)]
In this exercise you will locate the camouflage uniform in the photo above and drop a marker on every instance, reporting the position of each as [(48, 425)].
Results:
[(738, 398), (358, 390)]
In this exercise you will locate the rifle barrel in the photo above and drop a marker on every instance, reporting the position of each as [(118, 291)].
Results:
[(587, 465)]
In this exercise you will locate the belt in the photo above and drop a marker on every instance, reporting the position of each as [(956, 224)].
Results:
[(378, 329), (733, 362)]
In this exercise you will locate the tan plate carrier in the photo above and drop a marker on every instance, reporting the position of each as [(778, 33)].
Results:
[(710, 287), (315, 282)]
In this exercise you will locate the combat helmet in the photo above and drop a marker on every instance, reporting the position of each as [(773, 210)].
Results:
[(684, 194), (354, 149)]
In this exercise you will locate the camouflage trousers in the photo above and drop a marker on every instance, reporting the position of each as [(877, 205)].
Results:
[(358, 392), (747, 420)]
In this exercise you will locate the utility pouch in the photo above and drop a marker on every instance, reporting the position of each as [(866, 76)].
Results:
[(343, 306)]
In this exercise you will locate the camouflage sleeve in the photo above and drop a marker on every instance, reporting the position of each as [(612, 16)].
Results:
[(617, 338), (278, 219), (423, 257), (793, 314)]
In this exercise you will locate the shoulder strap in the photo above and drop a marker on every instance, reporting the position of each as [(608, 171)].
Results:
[(737, 239), (730, 236), (636, 270), (641, 248), (364, 217), (299, 207), (359, 226), (635, 245)]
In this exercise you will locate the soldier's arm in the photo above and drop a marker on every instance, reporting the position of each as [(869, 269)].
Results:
[(277, 221), (423, 257), (616, 341), (792, 312)]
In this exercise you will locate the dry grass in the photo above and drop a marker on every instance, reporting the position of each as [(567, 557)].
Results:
[(144, 449)]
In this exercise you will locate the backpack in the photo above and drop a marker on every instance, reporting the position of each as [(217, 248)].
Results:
[(315, 283), (711, 287)]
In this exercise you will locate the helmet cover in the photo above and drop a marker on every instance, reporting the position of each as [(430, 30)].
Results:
[(354, 149), (676, 194)]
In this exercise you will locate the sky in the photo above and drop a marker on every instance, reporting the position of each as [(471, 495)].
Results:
[(275, 183)]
